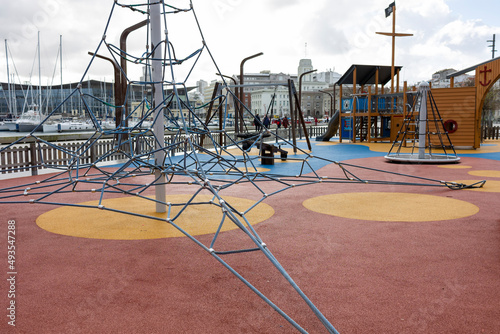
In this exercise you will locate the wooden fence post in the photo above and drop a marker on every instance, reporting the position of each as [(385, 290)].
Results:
[(33, 160)]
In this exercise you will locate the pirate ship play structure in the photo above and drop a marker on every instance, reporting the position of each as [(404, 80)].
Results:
[(371, 113)]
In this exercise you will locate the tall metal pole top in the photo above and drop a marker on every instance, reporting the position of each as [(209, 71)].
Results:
[(300, 84), (393, 34), (239, 125)]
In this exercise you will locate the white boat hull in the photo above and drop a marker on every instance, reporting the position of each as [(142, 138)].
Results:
[(11, 126), (68, 126)]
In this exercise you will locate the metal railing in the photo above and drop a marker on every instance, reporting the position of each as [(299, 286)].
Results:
[(490, 132)]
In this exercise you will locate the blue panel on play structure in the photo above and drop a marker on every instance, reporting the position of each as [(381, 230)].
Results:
[(346, 127), (361, 104)]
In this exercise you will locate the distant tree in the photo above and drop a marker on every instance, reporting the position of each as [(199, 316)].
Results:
[(491, 103), (468, 82)]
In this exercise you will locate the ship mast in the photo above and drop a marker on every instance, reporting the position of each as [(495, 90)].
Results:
[(393, 34), (61, 67), (8, 80), (39, 78)]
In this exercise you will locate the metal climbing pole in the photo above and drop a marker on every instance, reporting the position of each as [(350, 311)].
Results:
[(157, 79), (422, 126)]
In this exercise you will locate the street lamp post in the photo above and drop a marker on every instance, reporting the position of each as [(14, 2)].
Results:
[(239, 112), (331, 101), (123, 64), (300, 84)]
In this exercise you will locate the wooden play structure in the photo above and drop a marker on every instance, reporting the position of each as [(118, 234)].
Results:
[(369, 114), (467, 108)]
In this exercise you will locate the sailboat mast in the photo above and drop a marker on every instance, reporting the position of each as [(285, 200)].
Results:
[(60, 63), (39, 78), (8, 79)]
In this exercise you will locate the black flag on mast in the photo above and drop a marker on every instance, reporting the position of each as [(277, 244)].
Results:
[(390, 9)]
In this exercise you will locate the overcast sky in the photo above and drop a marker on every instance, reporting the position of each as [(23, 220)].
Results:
[(339, 33)]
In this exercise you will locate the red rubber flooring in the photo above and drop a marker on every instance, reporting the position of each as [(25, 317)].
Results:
[(365, 276)]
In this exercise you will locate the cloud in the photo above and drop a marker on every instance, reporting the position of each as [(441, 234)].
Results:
[(338, 34), (445, 47), (425, 8), (472, 30), (280, 4)]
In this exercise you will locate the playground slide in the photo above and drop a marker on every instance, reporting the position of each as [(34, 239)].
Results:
[(333, 128)]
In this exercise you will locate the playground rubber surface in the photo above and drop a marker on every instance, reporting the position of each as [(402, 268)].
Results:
[(374, 258)]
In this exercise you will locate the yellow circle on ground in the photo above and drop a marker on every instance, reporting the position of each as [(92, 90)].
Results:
[(384, 206), (249, 169), (327, 143), (279, 161), (489, 187), (488, 173), (455, 166), (385, 147), (104, 224)]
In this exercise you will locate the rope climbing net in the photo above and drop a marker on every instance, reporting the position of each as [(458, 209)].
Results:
[(152, 161)]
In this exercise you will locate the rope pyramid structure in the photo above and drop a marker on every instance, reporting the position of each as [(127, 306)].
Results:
[(183, 158), (424, 129)]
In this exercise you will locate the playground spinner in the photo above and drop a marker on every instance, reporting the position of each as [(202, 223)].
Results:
[(423, 134)]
